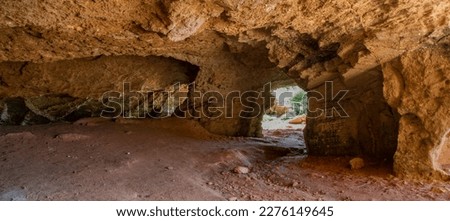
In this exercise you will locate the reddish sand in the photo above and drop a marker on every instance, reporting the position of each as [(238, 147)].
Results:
[(177, 159)]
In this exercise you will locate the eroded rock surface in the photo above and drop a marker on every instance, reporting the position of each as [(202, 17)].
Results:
[(417, 84), (81, 49)]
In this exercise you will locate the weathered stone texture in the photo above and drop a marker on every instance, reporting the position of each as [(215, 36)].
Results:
[(417, 84), (76, 50)]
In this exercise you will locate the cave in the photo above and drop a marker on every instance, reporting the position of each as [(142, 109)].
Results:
[(100, 90)]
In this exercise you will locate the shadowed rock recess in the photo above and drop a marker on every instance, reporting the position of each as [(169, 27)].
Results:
[(58, 58)]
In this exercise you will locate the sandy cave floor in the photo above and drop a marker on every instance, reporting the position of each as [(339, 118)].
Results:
[(97, 159)]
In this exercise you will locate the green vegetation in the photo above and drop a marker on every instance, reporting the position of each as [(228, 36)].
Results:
[(300, 103)]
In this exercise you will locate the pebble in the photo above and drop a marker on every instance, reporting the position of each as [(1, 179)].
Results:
[(241, 170), (232, 199), (357, 163)]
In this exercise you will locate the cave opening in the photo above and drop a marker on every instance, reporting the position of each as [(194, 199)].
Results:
[(285, 120), (288, 110), (62, 91)]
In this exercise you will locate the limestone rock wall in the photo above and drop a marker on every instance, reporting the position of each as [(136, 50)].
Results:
[(69, 89), (350, 118), (91, 77), (417, 84)]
